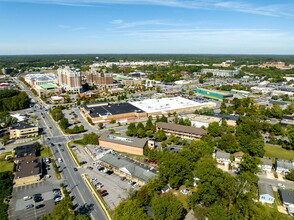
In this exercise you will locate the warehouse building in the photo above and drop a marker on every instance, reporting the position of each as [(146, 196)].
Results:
[(214, 93), (105, 112), (181, 131), (130, 145), (170, 105)]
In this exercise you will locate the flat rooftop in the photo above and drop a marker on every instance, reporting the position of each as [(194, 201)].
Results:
[(202, 118), (129, 141), (105, 109), (41, 77), (25, 150), (214, 91), (48, 86), (22, 125), (29, 167), (167, 104)]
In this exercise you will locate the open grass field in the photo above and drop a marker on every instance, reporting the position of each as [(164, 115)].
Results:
[(278, 152), (46, 152), (6, 165)]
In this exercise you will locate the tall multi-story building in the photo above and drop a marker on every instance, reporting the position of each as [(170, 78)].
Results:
[(70, 79), (95, 77)]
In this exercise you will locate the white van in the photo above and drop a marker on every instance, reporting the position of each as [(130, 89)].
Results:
[(26, 198)]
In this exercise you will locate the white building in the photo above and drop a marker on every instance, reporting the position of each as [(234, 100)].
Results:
[(170, 105), (263, 90), (40, 79), (221, 73), (70, 79)]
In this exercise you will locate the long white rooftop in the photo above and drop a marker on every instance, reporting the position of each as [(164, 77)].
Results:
[(167, 104)]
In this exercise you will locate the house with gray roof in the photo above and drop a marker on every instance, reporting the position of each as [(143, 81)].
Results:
[(287, 197), (223, 157), (284, 166), (266, 164), (266, 193), (126, 167)]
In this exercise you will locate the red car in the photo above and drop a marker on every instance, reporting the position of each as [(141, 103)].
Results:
[(103, 192)]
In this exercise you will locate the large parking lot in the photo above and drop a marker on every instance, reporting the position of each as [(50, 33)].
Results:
[(17, 207), (117, 189)]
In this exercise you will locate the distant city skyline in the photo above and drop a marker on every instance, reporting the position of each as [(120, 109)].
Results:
[(146, 26)]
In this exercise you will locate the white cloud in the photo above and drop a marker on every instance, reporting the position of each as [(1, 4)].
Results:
[(239, 5), (71, 28), (121, 24)]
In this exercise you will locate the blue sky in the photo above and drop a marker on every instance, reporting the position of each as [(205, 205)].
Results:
[(147, 26)]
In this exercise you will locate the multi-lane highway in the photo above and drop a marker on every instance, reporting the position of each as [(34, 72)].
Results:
[(83, 198)]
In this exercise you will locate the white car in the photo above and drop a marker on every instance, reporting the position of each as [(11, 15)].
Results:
[(281, 185), (57, 199), (185, 191), (26, 198)]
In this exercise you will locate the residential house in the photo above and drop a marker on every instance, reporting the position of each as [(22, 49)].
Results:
[(283, 166), (223, 157), (266, 193), (287, 197), (166, 189), (266, 164)]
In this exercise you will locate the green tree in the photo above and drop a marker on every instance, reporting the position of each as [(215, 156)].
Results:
[(130, 210), (214, 129), (290, 175), (63, 123), (141, 133), (160, 136), (249, 164), (167, 207), (5, 139), (228, 143)]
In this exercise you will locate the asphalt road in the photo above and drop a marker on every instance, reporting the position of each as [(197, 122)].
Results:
[(83, 198)]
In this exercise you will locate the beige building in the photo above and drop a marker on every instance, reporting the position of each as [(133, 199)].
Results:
[(181, 131), (21, 129), (70, 79), (95, 77), (47, 89), (131, 145), (28, 171)]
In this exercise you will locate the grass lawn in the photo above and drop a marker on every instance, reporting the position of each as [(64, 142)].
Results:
[(6, 165), (46, 152), (278, 152)]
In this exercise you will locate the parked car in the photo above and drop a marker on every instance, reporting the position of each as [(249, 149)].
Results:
[(58, 199), (26, 198), (281, 185), (38, 197), (29, 206), (103, 192), (185, 191), (90, 168), (75, 169), (40, 206)]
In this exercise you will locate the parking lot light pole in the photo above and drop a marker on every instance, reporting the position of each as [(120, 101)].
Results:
[(35, 209)]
